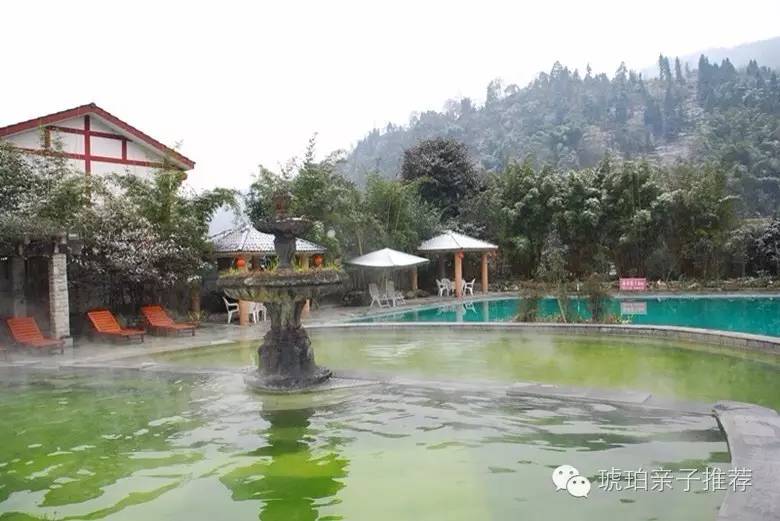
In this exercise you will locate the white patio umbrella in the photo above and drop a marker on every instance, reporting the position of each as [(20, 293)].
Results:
[(388, 259)]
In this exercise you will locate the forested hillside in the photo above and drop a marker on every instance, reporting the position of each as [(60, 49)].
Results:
[(712, 113), (765, 52)]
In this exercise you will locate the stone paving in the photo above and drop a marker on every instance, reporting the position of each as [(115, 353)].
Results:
[(88, 352), (209, 334), (753, 435)]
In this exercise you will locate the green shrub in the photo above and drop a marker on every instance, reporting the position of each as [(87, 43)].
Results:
[(529, 305), (598, 298)]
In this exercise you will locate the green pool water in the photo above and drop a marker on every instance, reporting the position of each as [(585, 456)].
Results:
[(148, 447), (675, 370), (757, 315)]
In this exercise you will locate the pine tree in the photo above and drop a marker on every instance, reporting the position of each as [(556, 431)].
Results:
[(678, 74), (664, 69)]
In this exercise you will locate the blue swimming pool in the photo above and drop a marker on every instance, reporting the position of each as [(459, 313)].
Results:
[(747, 314)]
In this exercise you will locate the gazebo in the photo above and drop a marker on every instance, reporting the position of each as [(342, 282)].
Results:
[(389, 259), (459, 244), (246, 245)]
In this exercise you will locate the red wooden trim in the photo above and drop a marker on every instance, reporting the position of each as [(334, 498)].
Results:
[(98, 159), (94, 109), (87, 147), (81, 132), (134, 162)]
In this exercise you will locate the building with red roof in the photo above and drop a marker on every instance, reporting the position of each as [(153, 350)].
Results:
[(94, 141)]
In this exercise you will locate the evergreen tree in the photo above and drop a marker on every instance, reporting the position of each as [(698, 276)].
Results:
[(444, 171), (678, 73), (664, 69)]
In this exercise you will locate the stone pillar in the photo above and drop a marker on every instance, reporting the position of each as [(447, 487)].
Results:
[(484, 273), (59, 308), (19, 303), (243, 305), (303, 261), (195, 299), (458, 273), (414, 279)]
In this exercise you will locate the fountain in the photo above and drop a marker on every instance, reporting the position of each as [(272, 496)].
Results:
[(286, 359)]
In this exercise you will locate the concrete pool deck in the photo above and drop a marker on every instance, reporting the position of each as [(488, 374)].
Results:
[(753, 436)]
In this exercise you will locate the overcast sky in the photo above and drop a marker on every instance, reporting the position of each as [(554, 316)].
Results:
[(239, 85)]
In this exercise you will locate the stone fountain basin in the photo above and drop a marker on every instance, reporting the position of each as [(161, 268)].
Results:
[(288, 226), (281, 285)]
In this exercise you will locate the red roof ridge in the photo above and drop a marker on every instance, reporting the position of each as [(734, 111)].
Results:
[(93, 108)]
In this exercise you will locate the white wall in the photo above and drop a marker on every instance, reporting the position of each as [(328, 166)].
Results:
[(99, 146)]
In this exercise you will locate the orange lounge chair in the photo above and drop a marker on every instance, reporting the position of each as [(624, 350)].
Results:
[(26, 333), (160, 322), (104, 324)]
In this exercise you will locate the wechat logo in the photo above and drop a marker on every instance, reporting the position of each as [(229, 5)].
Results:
[(568, 478)]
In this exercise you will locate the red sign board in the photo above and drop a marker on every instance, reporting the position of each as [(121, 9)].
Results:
[(634, 284)]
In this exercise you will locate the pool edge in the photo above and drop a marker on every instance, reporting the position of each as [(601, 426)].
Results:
[(752, 433), (743, 341)]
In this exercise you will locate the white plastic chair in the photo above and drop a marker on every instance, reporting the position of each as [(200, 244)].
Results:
[(468, 287), (394, 296), (257, 309), (448, 286), (441, 286), (376, 297), (230, 307)]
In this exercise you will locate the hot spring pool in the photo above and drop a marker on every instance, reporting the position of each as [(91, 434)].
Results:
[(130, 446), (674, 370), (747, 314)]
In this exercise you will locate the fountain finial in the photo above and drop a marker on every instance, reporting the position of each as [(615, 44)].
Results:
[(282, 199), (284, 228)]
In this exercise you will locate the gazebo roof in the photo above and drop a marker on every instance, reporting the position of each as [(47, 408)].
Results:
[(450, 241), (387, 258), (249, 241)]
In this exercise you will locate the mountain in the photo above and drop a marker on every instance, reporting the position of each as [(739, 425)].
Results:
[(765, 52), (709, 112)]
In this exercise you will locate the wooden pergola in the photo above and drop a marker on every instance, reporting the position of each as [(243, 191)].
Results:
[(459, 244)]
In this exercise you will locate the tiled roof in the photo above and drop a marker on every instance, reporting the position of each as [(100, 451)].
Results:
[(453, 241), (248, 240)]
